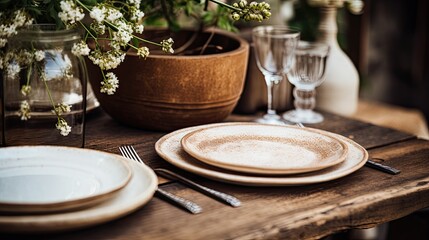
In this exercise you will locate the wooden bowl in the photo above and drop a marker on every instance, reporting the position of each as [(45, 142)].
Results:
[(167, 92)]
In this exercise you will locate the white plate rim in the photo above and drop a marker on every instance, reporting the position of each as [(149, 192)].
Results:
[(107, 211), (71, 203), (219, 174), (262, 170)]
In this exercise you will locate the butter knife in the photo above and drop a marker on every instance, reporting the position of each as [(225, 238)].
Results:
[(384, 168)]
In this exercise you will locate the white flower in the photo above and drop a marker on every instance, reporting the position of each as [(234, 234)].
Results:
[(122, 37), (167, 45), (107, 60), (24, 110), (143, 52), (70, 12), (124, 34), (109, 84), (136, 14), (80, 49), (98, 28), (25, 90), (62, 125), (12, 70), (138, 28), (134, 2), (113, 14), (61, 108), (39, 55), (98, 14)]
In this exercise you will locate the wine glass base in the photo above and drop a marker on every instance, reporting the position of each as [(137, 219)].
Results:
[(272, 119), (306, 116)]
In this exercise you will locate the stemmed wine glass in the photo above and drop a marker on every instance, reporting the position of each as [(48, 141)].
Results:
[(275, 49), (307, 73)]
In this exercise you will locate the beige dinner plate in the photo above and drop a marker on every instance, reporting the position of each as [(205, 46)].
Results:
[(137, 192), (170, 149), (264, 149)]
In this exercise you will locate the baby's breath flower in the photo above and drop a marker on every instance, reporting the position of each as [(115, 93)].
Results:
[(124, 34), (136, 14), (112, 14), (70, 12), (107, 60), (253, 11), (12, 70), (24, 110), (80, 49), (143, 52), (61, 108), (98, 28), (98, 13), (167, 45), (63, 126), (134, 2), (25, 90), (23, 57), (109, 84), (39, 55), (139, 28)]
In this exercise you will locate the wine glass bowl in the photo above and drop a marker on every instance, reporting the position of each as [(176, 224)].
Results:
[(307, 73), (274, 49)]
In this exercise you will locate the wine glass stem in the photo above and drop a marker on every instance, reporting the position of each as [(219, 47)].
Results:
[(270, 91), (304, 99)]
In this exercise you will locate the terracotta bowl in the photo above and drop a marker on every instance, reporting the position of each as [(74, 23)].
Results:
[(167, 92)]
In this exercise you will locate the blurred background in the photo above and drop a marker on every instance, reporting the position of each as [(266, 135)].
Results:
[(389, 45)]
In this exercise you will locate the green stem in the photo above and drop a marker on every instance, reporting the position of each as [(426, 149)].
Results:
[(147, 41), (225, 5), (89, 32), (83, 5), (30, 69), (47, 90)]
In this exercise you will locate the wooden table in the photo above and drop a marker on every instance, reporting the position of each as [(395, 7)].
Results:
[(360, 200)]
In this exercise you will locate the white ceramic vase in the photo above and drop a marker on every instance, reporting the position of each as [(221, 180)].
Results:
[(339, 92)]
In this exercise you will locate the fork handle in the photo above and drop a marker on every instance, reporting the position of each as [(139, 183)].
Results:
[(231, 200), (181, 202)]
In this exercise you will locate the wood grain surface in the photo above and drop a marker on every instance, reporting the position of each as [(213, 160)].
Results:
[(360, 200)]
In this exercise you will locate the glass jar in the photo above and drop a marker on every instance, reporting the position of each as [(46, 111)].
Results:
[(44, 89)]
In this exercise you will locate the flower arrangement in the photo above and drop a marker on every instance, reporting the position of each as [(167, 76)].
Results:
[(113, 26)]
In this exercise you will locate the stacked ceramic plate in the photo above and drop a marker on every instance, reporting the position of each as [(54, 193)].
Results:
[(47, 188), (262, 155)]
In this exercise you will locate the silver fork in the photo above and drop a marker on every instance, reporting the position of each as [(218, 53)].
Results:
[(223, 197), (130, 153)]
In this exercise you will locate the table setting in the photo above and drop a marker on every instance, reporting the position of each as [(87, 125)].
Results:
[(194, 169)]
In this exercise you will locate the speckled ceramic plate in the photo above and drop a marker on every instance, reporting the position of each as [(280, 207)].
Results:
[(51, 178), (264, 149), (170, 149), (135, 194)]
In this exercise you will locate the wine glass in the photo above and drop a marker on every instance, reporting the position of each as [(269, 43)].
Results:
[(307, 73), (274, 50)]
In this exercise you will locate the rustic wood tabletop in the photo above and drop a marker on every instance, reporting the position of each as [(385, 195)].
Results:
[(362, 199)]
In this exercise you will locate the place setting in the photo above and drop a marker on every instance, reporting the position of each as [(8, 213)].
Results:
[(256, 154), (53, 189)]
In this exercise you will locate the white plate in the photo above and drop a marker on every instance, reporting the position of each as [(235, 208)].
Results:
[(51, 178), (169, 148), (264, 149), (137, 192)]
